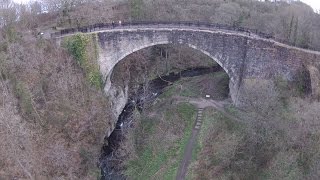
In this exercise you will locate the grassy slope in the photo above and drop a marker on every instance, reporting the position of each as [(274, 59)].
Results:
[(160, 140), (199, 86)]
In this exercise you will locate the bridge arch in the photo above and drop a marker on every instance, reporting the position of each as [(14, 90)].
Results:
[(245, 55), (242, 56), (122, 56), (114, 47), (215, 59), (120, 94)]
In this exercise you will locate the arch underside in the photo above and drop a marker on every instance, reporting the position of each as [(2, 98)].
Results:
[(121, 56), (226, 50), (127, 53)]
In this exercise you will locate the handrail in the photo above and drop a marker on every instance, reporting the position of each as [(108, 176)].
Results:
[(104, 26), (100, 26)]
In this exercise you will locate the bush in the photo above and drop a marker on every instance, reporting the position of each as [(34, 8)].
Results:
[(25, 101)]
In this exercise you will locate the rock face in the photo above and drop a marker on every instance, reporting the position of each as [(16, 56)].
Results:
[(242, 56), (118, 98)]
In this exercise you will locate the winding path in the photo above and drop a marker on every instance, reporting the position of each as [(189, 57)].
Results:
[(201, 104), (187, 156)]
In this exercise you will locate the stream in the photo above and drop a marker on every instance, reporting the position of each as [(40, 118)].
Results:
[(109, 157)]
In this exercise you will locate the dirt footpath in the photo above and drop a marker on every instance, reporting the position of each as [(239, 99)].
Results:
[(201, 103)]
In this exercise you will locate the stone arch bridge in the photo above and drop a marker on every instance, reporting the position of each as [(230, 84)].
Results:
[(243, 53)]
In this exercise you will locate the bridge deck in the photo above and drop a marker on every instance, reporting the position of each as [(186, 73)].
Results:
[(183, 26)]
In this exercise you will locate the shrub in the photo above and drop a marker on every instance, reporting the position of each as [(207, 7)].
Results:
[(25, 101)]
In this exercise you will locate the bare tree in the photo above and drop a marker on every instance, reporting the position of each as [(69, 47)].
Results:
[(8, 12)]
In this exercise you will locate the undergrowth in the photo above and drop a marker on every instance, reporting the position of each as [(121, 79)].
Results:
[(25, 101)]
